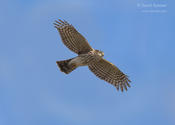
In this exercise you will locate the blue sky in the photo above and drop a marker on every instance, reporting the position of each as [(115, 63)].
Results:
[(34, 92)]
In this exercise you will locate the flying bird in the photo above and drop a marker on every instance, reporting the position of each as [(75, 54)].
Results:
[(87, 56)]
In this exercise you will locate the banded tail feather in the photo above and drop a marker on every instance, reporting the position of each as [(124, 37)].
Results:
[(65, 66)]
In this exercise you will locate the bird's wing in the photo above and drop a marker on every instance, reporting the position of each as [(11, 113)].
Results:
[(110, 73), (72, 38)]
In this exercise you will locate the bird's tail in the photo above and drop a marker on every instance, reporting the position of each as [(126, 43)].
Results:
[(65, 66)]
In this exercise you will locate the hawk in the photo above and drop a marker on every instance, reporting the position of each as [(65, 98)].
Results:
[(87, 56)]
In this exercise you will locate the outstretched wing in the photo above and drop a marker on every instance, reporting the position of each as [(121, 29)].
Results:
[(110, 73), (72, 38)]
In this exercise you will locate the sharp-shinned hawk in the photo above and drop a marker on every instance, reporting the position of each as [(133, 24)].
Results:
[(87, 56)]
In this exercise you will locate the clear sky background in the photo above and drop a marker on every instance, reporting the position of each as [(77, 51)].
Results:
[(139, 39)]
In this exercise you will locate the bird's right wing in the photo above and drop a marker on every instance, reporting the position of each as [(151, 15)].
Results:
[(110, 73), (72, 38)]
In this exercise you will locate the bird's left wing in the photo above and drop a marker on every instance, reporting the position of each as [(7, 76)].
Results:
[(72, 38), (110, 73)]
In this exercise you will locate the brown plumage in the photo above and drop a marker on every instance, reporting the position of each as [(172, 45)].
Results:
[(72, 38), (110, 73), (65, 67), (87, 56)]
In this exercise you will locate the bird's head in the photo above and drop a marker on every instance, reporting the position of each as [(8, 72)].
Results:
[(100, 53)]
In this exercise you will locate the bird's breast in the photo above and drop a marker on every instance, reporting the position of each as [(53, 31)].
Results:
[(85, 59), (79, 61)]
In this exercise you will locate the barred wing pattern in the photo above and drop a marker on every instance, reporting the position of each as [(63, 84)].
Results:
[(72, 38), (110, 73)]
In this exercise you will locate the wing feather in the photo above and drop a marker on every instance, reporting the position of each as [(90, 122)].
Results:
[(110, 73), (72, 38)]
